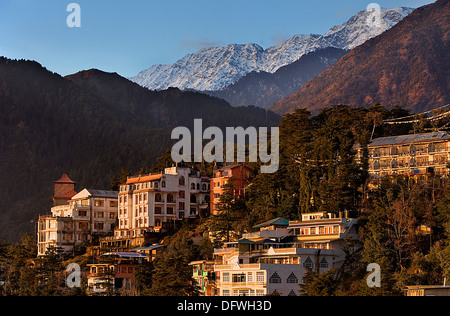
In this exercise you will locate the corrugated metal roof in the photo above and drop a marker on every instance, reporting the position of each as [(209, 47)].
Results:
[(279, 221), (103, 193), (409, 139)]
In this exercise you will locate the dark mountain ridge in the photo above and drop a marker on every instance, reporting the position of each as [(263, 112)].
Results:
[(88, 125)]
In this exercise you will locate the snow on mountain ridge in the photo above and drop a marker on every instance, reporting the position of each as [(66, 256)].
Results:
[(218, 67)]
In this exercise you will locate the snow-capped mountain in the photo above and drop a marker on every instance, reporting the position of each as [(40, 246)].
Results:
[(215, 68)]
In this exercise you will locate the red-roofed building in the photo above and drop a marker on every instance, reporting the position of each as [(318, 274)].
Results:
[(76, 217), (64, 190)]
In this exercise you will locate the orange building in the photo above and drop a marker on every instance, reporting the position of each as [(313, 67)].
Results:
[(239, 175)]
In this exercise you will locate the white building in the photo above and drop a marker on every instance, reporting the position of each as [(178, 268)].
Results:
[(87, 214), (275, 259), (147, 202)]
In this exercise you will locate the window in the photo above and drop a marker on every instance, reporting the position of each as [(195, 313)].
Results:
[(260, 293), (226, 277), (83, 225), (239, 278), (158, 210), (275, 278), (163, 184), (181, 182), (158, 197), (53, 236), (308, 263), (324, 263), (260, 277), (226, 293), (170, 198), (292, 278), (292, 293), (249, 276), (98, 203), (192, 186), (181, 206), (170, 210), (113, 204), (181, 194), (98, 226)]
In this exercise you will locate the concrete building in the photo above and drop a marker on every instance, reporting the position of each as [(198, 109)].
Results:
[(427, 290), (147, 202), (115, 272), (76, 217), (204, 276), (239, 176), (274, 260), (413, 155)]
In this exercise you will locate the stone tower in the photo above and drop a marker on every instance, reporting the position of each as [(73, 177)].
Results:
[(64, 190)]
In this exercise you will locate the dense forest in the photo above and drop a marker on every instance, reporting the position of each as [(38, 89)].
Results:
[(318, 172), (89, 125)]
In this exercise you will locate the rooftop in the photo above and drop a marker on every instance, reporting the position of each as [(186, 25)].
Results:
[(274, 222), (410, 139), (142, 179), (65, 180), (231, 167), (96, 193)]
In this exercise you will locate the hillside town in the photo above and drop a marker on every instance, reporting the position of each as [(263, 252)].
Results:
[(271, 260), (227, 154)]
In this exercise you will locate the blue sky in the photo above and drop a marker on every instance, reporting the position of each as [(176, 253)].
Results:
[(129, 36)]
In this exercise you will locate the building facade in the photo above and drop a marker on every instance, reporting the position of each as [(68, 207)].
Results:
[(115, 273), (148, 202), (239, 176), (416, 154), (76, 220), (274, 260)]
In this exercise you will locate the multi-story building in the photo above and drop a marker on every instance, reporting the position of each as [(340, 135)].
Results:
[(416, 154), (204, 277), (115, 272), (74, 223), (238, 175), (147, 202), (275, 259)]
